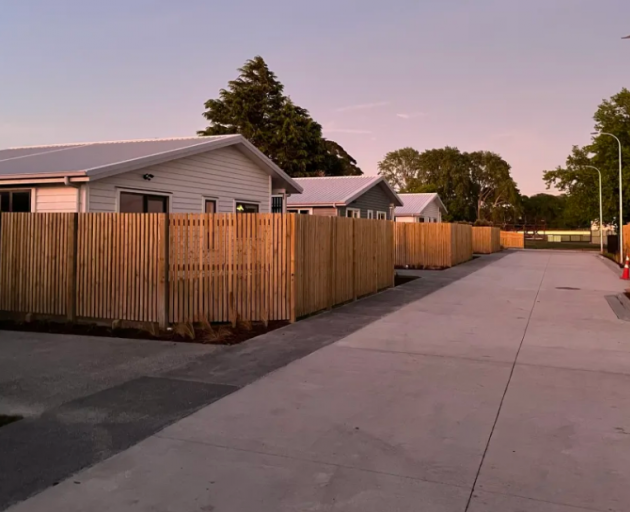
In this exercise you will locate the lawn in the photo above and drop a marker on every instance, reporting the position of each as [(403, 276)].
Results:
[(570, 246)]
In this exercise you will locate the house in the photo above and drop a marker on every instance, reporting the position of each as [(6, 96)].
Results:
[(221, 174), (420, 208), (366, 197)]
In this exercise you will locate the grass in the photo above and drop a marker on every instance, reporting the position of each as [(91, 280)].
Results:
[(566, 246), (5, 419)]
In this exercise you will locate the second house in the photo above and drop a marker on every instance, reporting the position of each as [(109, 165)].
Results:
[(365, 197)]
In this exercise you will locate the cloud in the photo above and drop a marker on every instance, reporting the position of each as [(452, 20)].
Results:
[(411, 115), (363, 106)]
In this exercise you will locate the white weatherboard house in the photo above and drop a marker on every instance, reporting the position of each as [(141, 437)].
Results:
[(420, 208), (222, 174)]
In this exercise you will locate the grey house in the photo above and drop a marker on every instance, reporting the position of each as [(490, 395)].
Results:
[(366, 197), (222, 174)]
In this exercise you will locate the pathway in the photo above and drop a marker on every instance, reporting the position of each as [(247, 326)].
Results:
[(505, 391)]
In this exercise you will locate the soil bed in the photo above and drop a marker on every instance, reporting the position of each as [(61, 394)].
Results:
[(217, 334)]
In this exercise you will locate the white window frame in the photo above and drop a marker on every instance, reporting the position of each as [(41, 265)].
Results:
[(370, 214), (381, 215), (168, 195), (209, 198), (356, 213), (309, 211)]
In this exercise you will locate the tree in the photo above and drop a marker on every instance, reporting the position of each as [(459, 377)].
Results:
[(471, 185), (255, 106), (545, 210), (581, 184), (401, 168), (497, 191)]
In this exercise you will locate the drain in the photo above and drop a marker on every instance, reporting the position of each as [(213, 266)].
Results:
[(567, 288)]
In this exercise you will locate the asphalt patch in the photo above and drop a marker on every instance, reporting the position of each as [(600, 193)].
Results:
[(40, 452)]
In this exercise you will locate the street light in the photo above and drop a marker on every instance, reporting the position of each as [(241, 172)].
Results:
[(621, 248), (601, 210)]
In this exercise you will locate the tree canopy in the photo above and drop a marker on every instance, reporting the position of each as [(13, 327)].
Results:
[(255, 106), (580, 184), (472, 186)]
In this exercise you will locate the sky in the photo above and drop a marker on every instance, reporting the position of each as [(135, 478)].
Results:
[(518, 77)]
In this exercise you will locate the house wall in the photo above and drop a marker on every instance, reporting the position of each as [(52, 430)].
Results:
[(55, 199), (406, 219), (326, 212), (431, 212), (225, 175), (374, 199)]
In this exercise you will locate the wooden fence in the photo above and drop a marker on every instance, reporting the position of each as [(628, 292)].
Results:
[(341, 259), (486, 240), (189, 267), (442, 245), (626, 242), (512, 240)]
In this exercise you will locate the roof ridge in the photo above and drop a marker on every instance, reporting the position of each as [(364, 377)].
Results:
[(123, 141), (332, 177)]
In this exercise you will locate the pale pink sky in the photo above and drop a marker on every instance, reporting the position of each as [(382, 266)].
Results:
[(521, 78)]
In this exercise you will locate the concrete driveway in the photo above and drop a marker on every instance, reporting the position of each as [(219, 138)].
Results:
[(507, 390)]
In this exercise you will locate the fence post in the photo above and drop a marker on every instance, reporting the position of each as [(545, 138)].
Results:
[(293, 242), (163, 271), (392, 225), (354, 258), (71, 268), (332, 262)]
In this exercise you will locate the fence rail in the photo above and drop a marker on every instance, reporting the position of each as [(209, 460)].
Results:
[(420, 245), (486, 240), (512, 240)]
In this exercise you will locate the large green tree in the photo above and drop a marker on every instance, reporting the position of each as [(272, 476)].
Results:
[(580, 184), (255, 106), (472, 185)]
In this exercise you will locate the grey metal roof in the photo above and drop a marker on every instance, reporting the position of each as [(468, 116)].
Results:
[(337, 190), (416, 203), (101, 159)]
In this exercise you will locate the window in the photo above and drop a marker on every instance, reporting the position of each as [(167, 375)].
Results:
[(277, 204), (420, 219), (370, 214), (246, 208), (301, 211), (15, 201), (210, 206), (353, 212), (142, 203), (381, 215)]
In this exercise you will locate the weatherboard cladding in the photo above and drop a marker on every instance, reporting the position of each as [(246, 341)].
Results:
[(375, 199)]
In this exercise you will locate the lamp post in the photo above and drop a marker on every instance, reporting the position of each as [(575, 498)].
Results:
[(601, 209), (620, 191)]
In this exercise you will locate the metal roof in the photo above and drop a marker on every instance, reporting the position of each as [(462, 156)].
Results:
[(416, 203), (338, 190), (97, 160)]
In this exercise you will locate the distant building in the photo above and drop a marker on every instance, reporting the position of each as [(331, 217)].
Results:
[(420, 208), (365, 197)]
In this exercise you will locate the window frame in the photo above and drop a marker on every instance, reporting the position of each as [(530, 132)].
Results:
[(207, 199), (249, 203), (370, 214), (299, 211), (284, 203), (353, 210), (143, 192), (31, 197), (381, 215)]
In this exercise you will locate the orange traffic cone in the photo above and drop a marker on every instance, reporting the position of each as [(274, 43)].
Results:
[(626, 270)]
